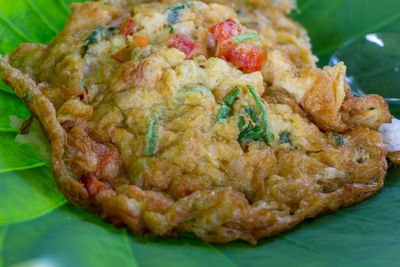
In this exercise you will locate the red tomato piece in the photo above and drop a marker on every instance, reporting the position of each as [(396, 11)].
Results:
[(128, 27), (184, 44), (225, 30), (93, 186), (244, 56)]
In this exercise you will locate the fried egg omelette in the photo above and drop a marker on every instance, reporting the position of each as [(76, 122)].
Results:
[(205, 117)]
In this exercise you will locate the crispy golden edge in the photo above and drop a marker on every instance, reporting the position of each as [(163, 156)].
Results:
[(40, 105)]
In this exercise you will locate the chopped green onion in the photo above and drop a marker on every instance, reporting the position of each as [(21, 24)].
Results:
[(171, 28), (82, 84), (223, 113), (231, 97), (372, 108), (245, 37), (226, 109), (152, 137), (284, 137), (94, 36), (264, 119), (176, 8)]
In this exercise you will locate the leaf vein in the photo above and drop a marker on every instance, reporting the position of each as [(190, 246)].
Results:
[(41, 15), (26, 167), (125, 237), (64, 6), (220, 254), (35, 214), (14, 28), (369, 30)]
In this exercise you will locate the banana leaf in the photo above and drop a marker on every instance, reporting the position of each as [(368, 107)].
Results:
[(39, 228)]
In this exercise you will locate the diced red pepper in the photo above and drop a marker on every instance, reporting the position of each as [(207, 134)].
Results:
[(244, 56), (184, 44), (128, 27), (93, 186), (225, 30)]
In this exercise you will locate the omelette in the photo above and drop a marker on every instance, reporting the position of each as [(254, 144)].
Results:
[(204, 117)]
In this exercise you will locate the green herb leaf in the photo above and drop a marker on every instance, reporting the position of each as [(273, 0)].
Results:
[(264, 119), (94, 36), (241, 123), (226, 109), (338, 139), (252, 133), (171, 28), (252, 114), (245, 37), (284, 137), (152, 137)]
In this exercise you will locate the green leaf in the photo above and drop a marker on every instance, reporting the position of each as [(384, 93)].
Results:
[(10, 105), (332, 23), (3, 231), (68, 237), (16, 156), (35, 229), (27, 194)]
